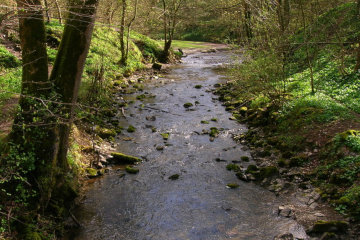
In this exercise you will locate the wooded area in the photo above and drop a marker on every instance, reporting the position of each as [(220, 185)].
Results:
[(294, 80)]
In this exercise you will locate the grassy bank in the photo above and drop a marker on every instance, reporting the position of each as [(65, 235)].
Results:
[(314, 133)]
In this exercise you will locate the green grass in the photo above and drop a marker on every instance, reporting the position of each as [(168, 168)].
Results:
[(188, 44), (104, 56), (10, 75)]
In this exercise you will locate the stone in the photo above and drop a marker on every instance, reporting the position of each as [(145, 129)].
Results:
[(242, 176), (286, 236), (329, 226), (151, 118), (174, 177), (232, 185), (188, 105), (286, 211), (157, 66), (131, 170), (120, 158), (160, 148)]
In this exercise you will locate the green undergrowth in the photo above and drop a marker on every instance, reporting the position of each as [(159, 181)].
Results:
[(10, 73), (278, 99)]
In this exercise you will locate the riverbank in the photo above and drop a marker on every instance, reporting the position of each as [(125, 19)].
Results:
[(306, 174)]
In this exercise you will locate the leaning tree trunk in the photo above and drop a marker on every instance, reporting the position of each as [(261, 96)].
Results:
[(34, 132), (69, 65)]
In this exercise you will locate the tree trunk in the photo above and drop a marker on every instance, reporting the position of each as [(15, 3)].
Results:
[(47, 11), (129, 27), (59, 11), (34, 132), (122, 33), (69, 65), (247, 21)]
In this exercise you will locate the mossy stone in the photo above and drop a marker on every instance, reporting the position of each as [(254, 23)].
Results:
[(214, 120), (120, 158), (131, 129), (174, 177), (91, 172), (252, 168), (232, 185), (233, 167), (105, 132), (230, 108), (214, 132), (204, 122), (188, 105), (243, 111), (131, 170), (245, 159), (198, 86), (270, 171), (165, 136), (141, 97), (330, 226)]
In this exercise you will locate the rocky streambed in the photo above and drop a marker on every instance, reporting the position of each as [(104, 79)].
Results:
[(186, 187)]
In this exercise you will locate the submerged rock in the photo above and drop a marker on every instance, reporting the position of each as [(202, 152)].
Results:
[(131, 129), (174, 177), (131, 170)]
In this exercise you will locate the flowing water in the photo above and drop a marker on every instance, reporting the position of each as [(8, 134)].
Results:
[(197, 206)]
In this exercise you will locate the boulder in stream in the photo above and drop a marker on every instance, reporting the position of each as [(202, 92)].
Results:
[(120, 158)]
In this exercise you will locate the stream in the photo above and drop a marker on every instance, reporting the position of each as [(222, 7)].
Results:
[(197, 206)]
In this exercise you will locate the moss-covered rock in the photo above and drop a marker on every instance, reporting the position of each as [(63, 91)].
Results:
[(214, 120), (174, 177), (131, 170), (105, 132), (120, 158), (245, 159), (165, 136), (329, 226), (131, 129), (214, 132), (188, 105), (205, 122), (233, 167), (252, 168), (232, 185), (91, 172), (198, 86), (270, 171), (243, 111)]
